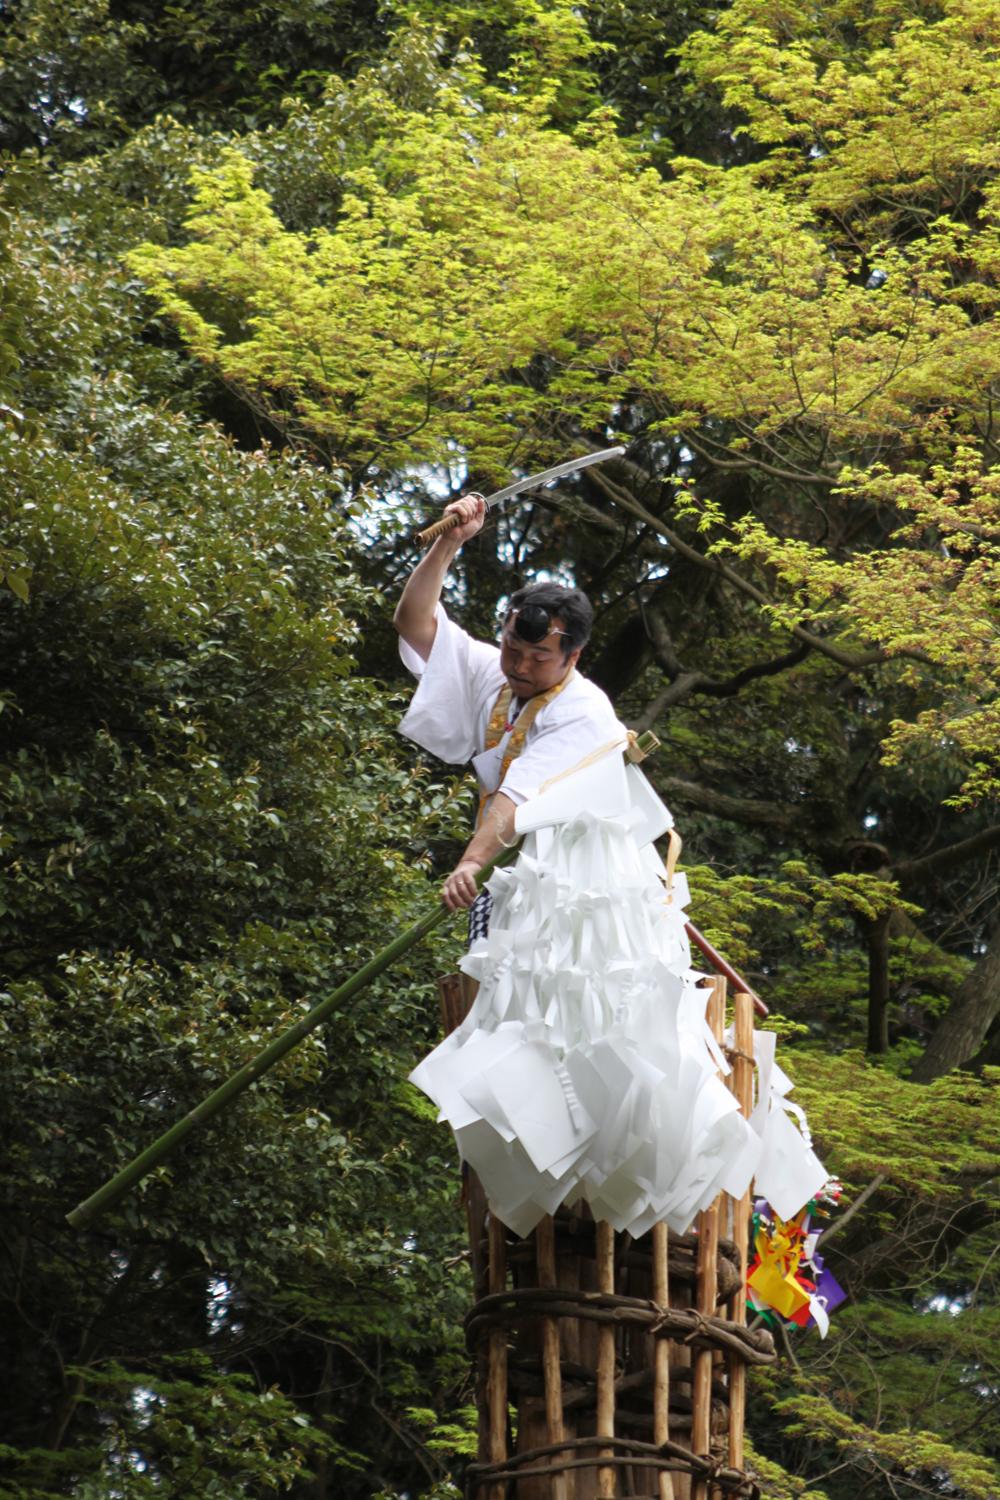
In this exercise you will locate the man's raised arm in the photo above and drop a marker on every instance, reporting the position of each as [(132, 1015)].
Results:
[(414, 618)]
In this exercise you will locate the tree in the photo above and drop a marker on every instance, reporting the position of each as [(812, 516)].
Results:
[(84, 76), (820, 400), (207, 823), (804, 531), (443, 263)]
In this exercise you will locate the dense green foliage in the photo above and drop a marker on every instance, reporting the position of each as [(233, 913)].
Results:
[(207, 823), (272, 279)]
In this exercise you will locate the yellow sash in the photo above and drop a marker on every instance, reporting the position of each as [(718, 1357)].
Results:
[(497, 727)]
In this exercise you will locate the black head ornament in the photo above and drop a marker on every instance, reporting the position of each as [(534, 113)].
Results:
[(532, 622)]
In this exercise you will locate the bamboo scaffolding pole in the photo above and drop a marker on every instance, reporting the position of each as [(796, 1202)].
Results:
[(545, 1249), (480, 1269), (661, 1353), (134, 1171), (117, 1186), (607, 1485), (701, 1373), (723, 967), (707, 1284), (497, 1356), (741, 1083), (85, 1212)]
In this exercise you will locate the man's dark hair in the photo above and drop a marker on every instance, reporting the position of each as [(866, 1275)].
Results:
[(571, 606)]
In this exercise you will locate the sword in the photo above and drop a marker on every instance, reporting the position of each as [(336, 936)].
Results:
[(533, 482)]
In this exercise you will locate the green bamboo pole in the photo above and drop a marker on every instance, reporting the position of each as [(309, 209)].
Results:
[(116, 1187)]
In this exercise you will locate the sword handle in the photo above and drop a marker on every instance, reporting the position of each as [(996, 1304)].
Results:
[(431, 533), (446, 523)]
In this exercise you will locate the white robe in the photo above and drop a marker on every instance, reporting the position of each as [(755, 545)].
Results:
[(450, 712), (585, 1069)]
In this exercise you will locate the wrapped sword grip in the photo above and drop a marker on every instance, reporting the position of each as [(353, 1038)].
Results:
[(446, 523), (431, 533)]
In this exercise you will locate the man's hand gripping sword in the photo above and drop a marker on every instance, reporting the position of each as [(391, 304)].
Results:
[(532, 482)]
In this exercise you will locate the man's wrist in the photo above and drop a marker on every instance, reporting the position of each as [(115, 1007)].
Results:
[(461, 887)]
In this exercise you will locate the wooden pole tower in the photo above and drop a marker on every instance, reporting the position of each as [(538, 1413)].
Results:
[(610, 1367)]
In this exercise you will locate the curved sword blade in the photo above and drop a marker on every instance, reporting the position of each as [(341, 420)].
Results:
[(535, 481)]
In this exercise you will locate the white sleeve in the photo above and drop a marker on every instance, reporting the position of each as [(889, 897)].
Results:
[(452, 685), (562, 735)]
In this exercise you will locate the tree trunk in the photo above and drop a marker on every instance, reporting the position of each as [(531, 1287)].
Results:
[(877, 938), (962, 1030)]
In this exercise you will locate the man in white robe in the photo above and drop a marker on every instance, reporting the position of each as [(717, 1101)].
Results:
[(585, 1068), (460, 682)]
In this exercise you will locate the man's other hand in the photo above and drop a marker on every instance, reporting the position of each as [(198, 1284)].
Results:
[(460, 889)]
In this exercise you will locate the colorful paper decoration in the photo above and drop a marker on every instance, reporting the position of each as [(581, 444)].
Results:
[(787, 1278)]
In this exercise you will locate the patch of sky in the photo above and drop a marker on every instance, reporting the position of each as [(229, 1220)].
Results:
[(944, 1302), (219, 1301), (142, 1400), (376, 513), (507, 553), (47, 106)]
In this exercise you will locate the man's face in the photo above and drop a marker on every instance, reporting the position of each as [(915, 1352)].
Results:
[(532, 667)]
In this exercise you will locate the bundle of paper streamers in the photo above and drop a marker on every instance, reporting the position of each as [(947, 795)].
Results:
[(787, 1279)]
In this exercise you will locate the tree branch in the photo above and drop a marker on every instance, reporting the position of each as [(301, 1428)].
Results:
[(663, 644), (859, 1202), (677, 690), (750, 810), (623, 497), (730, 686), (684, 683), (804, 476), (948, 856), (562, 502)]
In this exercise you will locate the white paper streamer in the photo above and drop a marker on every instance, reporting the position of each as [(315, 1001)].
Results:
[(585, 1069)]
